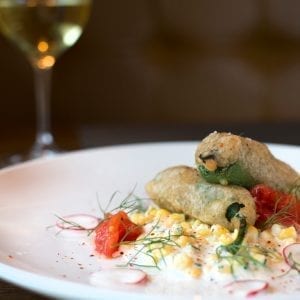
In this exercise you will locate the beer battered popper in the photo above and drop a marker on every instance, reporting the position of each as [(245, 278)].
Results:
[(182, 189), (226, 158)]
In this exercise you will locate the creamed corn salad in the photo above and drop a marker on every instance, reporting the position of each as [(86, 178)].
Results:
[(173, 241)]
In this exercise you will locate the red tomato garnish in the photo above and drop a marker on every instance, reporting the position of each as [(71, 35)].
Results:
[(270, 202), (113, 230)]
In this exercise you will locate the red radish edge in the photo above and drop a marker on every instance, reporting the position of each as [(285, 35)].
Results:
[(261, 285), (289, 249), (119, 276), (139, 276), (81, 222)]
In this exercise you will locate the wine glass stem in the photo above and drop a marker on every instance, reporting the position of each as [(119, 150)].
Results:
[(44, 141)]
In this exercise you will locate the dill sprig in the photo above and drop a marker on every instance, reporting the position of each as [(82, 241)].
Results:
[(148, 244), (279, 216), (268, 252), (244, 257), (73, 225), (129, 204), (131, 262)]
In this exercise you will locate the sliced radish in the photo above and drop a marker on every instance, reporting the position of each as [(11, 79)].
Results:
[(117, 276), (78, 222), (291, 254), (248, 288)]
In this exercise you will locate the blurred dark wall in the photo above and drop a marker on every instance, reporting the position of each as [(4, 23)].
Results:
[(169, 60)]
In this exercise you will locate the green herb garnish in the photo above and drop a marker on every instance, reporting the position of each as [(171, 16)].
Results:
[(244, 256)]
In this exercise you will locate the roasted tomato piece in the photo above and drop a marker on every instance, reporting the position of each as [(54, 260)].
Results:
[(283, 208), (107, 238), (128, 230), (112, 231)]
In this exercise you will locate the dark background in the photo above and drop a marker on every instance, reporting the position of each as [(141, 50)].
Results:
[(196, 62)]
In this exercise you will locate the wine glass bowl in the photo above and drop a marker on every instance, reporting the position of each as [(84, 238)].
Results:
[(43, 30)]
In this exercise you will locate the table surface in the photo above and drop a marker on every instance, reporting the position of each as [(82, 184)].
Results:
[(95, 136)]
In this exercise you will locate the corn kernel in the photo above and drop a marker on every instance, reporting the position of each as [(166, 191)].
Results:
[(288, 233), (139, 218), (176, 229), (225, 268), (151, 211), (202, 230), (218, 230), (182, 261), (266, 235), (162, 213), (174, 218), (194, 272), (252, 234), (226, 239), (167, 250), (157, 254), (259, 257), (275, 229), (155, 246), (183, 240), (195, 224), (186, 227), (134, 217)]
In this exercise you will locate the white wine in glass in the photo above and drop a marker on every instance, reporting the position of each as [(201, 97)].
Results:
[(43, 30)]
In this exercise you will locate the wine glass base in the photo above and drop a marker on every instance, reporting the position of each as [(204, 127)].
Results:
[(33, 154), (43, 152)]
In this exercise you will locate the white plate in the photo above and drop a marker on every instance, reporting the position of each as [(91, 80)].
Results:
[(31, 194)]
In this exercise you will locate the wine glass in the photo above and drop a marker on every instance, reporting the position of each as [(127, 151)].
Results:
[(43, 30)]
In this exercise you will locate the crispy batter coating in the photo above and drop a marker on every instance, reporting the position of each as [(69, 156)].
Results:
[(221, 150), (181, 189)]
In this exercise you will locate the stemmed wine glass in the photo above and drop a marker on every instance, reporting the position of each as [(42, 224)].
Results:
[(43, 30)]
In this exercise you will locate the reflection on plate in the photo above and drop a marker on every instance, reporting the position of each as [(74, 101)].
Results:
[(33, 193)]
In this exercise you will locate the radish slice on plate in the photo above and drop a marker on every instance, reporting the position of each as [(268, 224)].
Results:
[(77, 222), (248, 288), (117, 276), (291, 254)]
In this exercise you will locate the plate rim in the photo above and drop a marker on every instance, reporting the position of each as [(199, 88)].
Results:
[(86, 151)]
